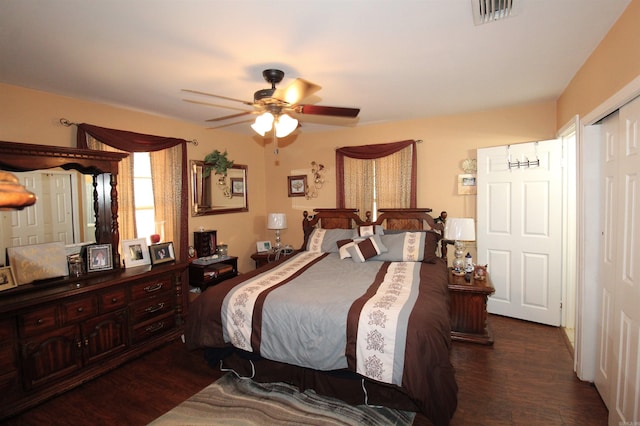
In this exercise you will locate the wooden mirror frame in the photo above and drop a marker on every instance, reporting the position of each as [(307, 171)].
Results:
[(102, 165), (199, 210)]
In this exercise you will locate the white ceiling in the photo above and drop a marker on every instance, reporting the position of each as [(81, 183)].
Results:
[(394, 59)]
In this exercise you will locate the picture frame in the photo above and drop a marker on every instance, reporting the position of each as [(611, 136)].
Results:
[(467, 184), (297, 185), (237, 187), (7, 279), (135, 253), (162, 253), (99, 257), (263, 246)]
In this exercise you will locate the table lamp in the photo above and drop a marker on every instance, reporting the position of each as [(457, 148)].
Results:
[(459, 230), (277, 221)]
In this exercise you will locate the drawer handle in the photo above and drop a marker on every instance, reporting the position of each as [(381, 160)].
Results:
[(155, 327), (114, 300), (155, 308), (80, 309), (152, 288), (39, 321)]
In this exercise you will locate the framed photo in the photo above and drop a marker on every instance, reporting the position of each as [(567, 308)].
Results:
[(263, 246), (467, 184), (297, 185), (99, 257), (162, 253), (135, 253), (7, 280), (237, 187)]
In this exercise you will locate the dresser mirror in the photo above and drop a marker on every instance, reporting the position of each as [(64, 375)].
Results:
[(80, 185), (216, 194)]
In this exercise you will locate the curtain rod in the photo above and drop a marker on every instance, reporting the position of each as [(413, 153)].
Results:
[(68, 123)]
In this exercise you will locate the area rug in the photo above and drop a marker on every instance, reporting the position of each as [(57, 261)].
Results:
[(233, 401)]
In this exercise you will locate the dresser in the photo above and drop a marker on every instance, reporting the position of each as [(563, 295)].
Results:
[(60, 333)]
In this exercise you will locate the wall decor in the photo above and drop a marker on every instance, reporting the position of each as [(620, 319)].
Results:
[(135, 252), (297, 185), (7, 280), (99, 257), (237, 187), (467, 184), (162, 253)]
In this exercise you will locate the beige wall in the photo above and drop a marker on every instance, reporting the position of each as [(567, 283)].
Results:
[(612, 65), (31, 116), (447, 141)]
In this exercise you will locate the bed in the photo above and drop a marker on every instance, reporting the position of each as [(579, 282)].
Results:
[(360, 312)]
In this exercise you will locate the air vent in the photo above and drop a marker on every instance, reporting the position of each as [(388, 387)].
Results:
[(485, 11)]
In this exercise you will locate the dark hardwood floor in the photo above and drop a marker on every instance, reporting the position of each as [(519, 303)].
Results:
[(526, 378)]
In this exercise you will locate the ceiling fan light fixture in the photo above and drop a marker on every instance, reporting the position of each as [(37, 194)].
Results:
[(285, 125), (263, 123)]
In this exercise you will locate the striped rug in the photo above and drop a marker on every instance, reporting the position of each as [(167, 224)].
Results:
[(233, 401)]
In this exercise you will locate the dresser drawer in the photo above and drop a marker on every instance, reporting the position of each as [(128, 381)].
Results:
[(38, 321), (149, 288), (79, 309), (7, 358), (153, 327), (153, 306), (113, 300)]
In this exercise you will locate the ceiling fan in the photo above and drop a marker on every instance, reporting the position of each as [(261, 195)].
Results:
[(278, 107)]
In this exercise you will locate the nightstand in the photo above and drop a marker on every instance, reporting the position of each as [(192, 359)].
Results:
[(203, 276), (262, 258), (469, 309)]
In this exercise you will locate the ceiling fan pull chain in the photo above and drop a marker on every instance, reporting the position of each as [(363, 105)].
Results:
[(276, 151)]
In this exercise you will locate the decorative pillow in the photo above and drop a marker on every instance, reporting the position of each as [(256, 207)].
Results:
[(38, 262), (367, 231), (343, 246), (418, 246), (324, 240), (366, 249)]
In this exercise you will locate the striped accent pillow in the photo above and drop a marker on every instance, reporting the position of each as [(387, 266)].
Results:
[(366, 249)]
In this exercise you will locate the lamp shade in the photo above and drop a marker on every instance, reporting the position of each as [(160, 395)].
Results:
[(277, 221), (460, 229), (263, 123), (285, 125)]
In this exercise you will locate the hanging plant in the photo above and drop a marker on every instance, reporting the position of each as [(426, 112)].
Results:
[(217, 161)]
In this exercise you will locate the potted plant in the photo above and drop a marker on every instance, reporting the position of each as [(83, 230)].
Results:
[(217, 161)]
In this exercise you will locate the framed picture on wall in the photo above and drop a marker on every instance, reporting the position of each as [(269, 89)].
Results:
[(297, 185), (467, 184), (237, 187)]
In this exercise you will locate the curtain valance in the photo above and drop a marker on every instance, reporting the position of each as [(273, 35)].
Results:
[(126, 141)]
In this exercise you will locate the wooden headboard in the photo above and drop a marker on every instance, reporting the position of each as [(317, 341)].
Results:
[(415, 219)]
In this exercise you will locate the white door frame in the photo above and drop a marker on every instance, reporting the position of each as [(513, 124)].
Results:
[(587, 291)]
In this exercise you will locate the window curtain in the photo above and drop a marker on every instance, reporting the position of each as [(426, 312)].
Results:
[(173, 184), (397, 159)]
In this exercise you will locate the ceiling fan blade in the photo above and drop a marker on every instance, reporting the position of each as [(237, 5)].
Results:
[(327, 110), (229, 124), (217, 96), (227, 117), (213, 105), (296, 91)]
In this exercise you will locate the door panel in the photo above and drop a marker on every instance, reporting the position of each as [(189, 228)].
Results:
[(520, 228)]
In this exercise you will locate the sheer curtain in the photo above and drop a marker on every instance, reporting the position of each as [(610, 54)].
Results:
[(169, 172), (372, 176)]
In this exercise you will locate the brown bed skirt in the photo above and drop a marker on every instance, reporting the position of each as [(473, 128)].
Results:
[(341, 384)]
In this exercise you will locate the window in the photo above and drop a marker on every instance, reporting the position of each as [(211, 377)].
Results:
[(143, 195), (377, 176)]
